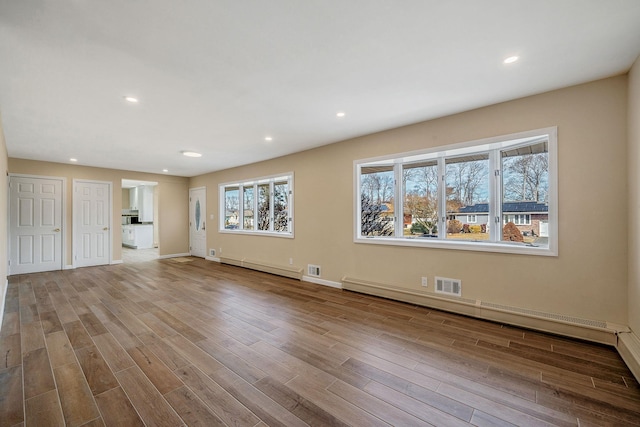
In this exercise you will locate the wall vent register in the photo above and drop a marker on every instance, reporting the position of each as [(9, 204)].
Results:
[(448, 286)]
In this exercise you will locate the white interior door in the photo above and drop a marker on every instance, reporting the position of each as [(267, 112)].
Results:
[(197, 217), (92, 223), (35, 225)]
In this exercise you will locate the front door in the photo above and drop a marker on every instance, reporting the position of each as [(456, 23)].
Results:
[(92, 223), (197, 217), (35, 225)]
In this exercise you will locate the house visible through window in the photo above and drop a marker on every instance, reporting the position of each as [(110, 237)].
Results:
[(497, 194), (258, 206)]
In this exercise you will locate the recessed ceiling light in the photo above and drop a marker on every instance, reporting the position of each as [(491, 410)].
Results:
[(73, 160), (340, 114), (268, 138), (165, 170), (131, 99), (511, 60), (191, 154)]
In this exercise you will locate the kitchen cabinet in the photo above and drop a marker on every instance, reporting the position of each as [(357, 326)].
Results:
[(137, 236), (141, 200), (145, 203), (133, 198)]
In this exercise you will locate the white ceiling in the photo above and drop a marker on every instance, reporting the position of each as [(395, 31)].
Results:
[(218, 76)]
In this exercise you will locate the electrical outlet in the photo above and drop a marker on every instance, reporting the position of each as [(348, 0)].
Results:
[(290, 261), (424, 281), (220, 250)]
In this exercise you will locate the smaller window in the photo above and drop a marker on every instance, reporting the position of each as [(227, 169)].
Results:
[(472, 219), (258, 206), (519, 219)]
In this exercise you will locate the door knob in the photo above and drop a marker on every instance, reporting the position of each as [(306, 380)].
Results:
[(57, 230), (203, 226), (105, 229)]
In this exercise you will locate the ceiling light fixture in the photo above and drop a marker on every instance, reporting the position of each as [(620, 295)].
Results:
[(268, 138), (165, 170), (191, 154), (511, 60), (73, 160), (340, 114), (131, 99)]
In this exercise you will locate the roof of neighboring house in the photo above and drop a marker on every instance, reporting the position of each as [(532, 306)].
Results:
[(386, 207), (508, 207)]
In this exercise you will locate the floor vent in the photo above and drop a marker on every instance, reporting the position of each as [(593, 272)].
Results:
[(212, 252), (313, 270), (448, 286)]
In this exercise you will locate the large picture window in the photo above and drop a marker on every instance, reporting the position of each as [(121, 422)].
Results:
[(497, 194), (258, 206)]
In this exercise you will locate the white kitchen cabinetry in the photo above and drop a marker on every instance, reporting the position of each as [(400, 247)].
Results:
[(133, 199), (145, 203), (137, 236)]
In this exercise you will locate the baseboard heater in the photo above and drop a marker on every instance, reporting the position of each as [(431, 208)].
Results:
[(586, 329), (279, 270), (629, 349)]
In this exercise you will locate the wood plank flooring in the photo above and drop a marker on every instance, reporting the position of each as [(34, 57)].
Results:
[(191, 342)]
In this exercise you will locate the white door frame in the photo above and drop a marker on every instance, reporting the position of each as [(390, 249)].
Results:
[(204, 219), (74, 216), (63, 213)]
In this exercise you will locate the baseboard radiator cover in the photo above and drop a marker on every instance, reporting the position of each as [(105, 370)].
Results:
[(629, 349), (3, 298), (167, 256), (279, 270), (574, 327)]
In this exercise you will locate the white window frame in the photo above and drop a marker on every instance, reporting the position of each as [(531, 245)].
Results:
[(254, 183), (472, 219), (493, 146)]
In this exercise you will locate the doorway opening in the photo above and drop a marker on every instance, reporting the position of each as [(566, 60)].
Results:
[(140, 224)]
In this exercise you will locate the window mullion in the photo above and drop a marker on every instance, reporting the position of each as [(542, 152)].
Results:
[(398, 205), (272, 215), (256, 218), (241, 207), (495, 197), (289, 205), (442, 200)]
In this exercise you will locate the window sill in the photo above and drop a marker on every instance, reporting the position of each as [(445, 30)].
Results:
[(257, 233), (478, 246)]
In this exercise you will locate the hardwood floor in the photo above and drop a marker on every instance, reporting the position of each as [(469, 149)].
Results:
[(139, 255), (191, 342)]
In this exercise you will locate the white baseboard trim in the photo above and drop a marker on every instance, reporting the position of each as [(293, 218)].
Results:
[(174, 255), (116, 261), (279, 270), (323, 282), (629, 349), (585, 329), (212, 258)]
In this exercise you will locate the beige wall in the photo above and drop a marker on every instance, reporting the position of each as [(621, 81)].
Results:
[(4, 197), (634, 198), (173, 215), (589, 277), (125, 198), (173, 192)]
